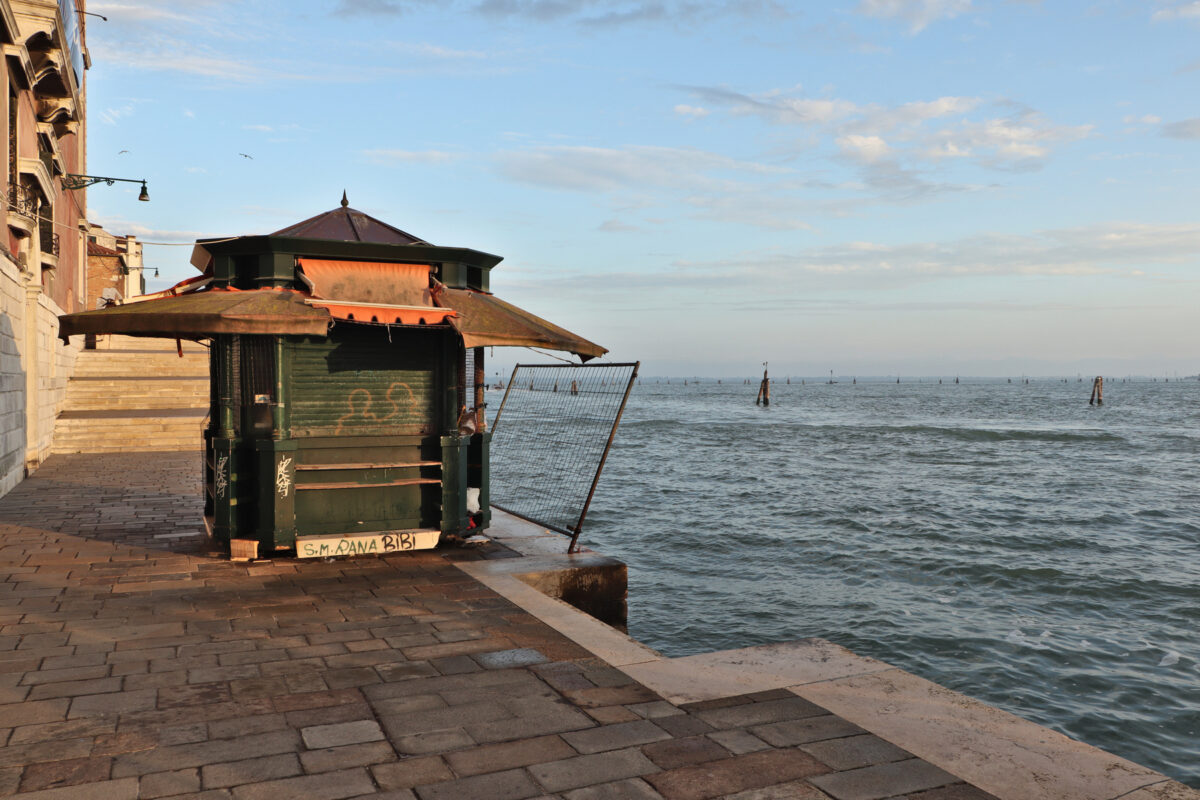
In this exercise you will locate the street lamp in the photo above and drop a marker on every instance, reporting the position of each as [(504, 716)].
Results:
[(72, 182)]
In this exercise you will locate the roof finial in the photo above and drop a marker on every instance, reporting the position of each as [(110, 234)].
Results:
[(345, 202)]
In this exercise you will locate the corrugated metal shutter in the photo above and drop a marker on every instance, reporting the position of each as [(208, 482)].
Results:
[(357, 383)]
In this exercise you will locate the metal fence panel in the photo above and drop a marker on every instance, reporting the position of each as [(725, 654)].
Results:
[(550, 439)]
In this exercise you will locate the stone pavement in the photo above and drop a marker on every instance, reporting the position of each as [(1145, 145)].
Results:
[(136, 664)]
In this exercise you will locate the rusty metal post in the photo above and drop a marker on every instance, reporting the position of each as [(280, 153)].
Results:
[(503, 400), (603, 457), (480, 386)]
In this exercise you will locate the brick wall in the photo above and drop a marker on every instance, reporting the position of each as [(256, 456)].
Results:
[(103, 272)]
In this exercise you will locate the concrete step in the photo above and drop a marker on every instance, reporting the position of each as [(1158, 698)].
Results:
[(165, 366), (94, 437), (101, 386), (187, 393), (160, 385), (135, 394), (157, 445), (146, 402), (134, 416)]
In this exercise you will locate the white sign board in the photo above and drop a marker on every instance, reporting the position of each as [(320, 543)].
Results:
[(365, 544)]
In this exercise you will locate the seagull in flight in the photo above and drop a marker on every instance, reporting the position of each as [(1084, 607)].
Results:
[(122, 151), (243, 155)]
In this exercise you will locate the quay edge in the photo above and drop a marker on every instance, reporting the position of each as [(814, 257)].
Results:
[(994, 750)]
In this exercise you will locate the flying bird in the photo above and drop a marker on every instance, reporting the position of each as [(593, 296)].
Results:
[(243, 155), (122, 151)]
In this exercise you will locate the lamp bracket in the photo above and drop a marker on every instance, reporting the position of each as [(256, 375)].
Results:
[(72, 182)]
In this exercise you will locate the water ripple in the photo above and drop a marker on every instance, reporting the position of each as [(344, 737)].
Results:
[(1007, 541)]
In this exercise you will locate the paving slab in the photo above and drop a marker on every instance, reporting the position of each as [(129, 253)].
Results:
[(135, 661)]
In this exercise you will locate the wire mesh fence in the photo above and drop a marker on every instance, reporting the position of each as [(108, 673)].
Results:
[(551, 436)]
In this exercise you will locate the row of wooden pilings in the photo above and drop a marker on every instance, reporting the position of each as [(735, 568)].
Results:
[(764, 389)]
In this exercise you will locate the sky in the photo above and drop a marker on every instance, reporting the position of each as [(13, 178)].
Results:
[(874, 187)]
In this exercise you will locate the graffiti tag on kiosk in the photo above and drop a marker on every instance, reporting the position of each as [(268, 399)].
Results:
[(362, 406), (221, 479), (283, 476), (359, 546)]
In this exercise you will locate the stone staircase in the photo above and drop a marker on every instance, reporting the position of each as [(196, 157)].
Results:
[(134, 394)]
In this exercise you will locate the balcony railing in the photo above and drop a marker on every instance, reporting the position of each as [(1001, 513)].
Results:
[(22, 201), (49, 238)]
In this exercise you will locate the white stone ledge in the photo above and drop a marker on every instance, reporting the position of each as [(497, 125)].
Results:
[(1001, 753)]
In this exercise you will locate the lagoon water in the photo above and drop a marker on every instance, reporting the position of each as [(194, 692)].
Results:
[(1005, 540)]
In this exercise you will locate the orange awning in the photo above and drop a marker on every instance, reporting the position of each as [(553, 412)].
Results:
[(384, 314), (485, 320), (373, 291), (368, 282)]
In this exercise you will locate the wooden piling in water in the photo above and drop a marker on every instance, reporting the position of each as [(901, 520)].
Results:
[(764, 389), (1097, 397)]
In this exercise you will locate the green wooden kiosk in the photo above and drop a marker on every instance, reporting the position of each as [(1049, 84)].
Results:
[(347, 376)]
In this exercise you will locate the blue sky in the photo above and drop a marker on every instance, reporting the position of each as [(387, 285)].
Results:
[(917, 186)]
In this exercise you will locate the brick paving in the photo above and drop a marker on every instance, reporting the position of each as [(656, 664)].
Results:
[(134, 663)]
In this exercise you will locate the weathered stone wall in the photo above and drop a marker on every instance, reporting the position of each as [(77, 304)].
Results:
[(26, 429), (12, 377), (56, 362)]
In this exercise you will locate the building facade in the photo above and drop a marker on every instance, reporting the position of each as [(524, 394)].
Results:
[(114, 262), (43, 256)]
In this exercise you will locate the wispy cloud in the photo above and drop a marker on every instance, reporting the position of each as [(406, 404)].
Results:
[(139, 12), (616, 226), (606, 169), (1185, 10), (366, 8), (1114, 249), (202, 41), (1020, 141), (110, 116), (1183, 129), (166, 55), (867, 149), (427, 50), (917, 13), (1144, 253), (385, 156), (613, 13), (1003, 136), (704, 184), (124, 227)]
